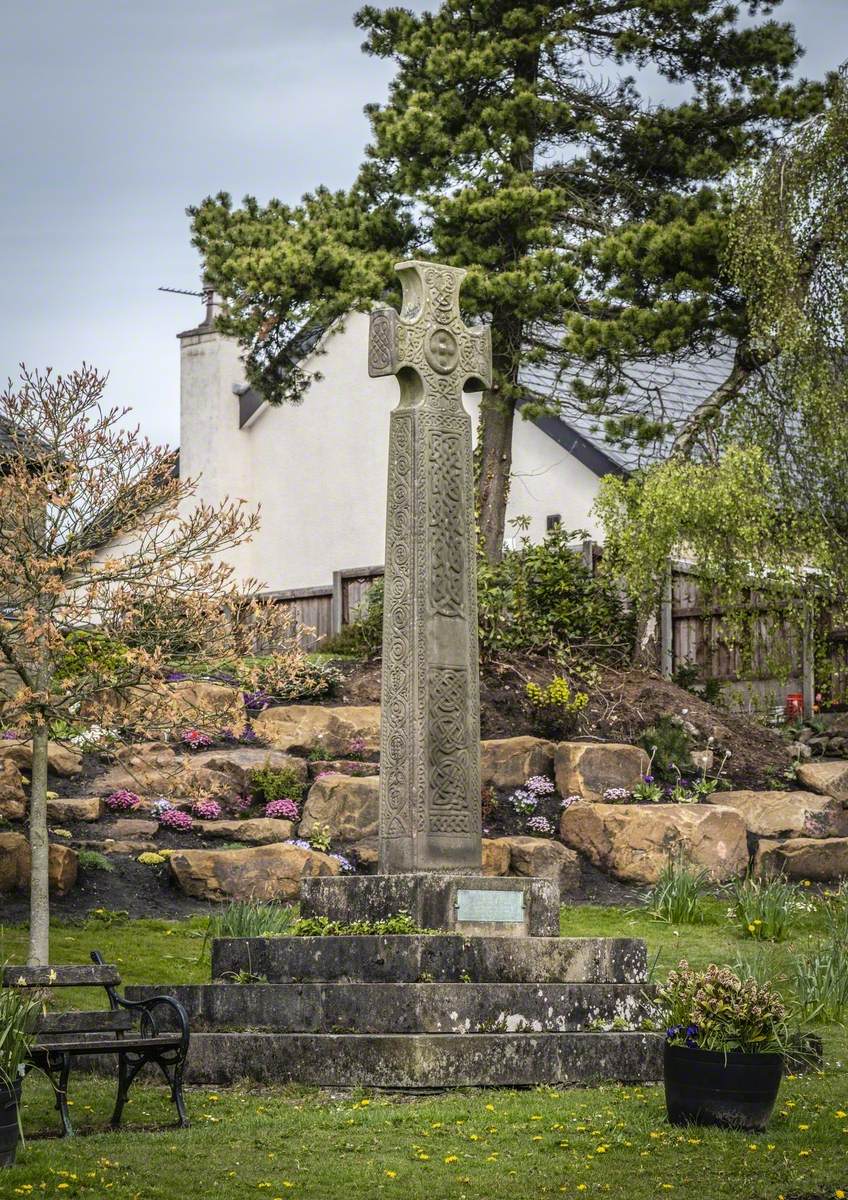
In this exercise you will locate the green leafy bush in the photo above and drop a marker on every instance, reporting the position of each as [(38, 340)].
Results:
[(269, 783), (93, 860), (668, 744), (363, 637), (541, 596), (397, 923), (557, 706)]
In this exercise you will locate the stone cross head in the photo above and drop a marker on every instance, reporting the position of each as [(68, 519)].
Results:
[(435, 355)]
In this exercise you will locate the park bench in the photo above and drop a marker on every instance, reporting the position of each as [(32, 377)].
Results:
[(131, 1029)]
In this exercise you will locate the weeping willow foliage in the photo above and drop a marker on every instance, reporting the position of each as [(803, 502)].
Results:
[(769, 502)]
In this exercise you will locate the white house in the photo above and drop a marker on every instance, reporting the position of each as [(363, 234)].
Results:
[(318, 468)]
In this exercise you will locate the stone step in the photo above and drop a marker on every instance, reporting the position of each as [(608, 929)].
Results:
[(408, 1008), (432, 958), (421, 1061)]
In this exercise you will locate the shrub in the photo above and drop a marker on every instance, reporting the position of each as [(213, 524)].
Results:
[(207, 810), (397, 923), (557, 707), (541, 596), (670, 748), (122, 801), (285, 810), (290, 675), (268, 784), (363, 636), (93, 860), (763, 909), (174, 818), (149, 858), (715, 1010), (676, 895)]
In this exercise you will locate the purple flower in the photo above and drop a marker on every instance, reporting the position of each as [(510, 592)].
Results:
[(174, 818), (175, 676), (9, 735), (160, 806), (241, 804), (540, 785), (617, 795), (540, 826), (258, 701), (300, 842), (567, 801), (648, 778), (285, 810), (122, 801), (208, 810), (345, 863)]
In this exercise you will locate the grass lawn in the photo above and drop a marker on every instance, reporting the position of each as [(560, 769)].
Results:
[(610, 1140)]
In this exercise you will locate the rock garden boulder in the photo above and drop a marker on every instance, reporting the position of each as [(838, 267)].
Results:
[(346, 804), (495, 856), (153, 768), (60, 759), (263, 873), (587, 769), (15, 864), (340, 766), (208, 705), (818, 859), (508, 762), (826, 778), (237, 762), (65, 809), (633, 841), (786, 814), (255, 831), (544, 859), (301, 728), (13, 798)]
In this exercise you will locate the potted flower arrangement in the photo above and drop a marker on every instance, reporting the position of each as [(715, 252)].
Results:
[(724, 1049), (18, 1015)]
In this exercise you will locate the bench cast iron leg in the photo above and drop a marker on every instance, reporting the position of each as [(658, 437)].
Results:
[(124, 1080), (174, 1076), (62, 1097)]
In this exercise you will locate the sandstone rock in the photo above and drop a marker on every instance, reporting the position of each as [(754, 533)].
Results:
[(153, 767), (508, 762), (786, 814), (13, 798), (367, 854), (60, 760), (826, 778), (124, 845), (340, 766), (263, 873), (587, 769), (131, 827), (495, 856), (206, 705), (819, 859), (545, 859), (15, 864), (632, 842), (304, 727), (79, 808), (238, 761), (346, 803), (256, 831)]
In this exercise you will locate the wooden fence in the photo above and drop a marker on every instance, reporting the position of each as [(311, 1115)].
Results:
[(777, 658)]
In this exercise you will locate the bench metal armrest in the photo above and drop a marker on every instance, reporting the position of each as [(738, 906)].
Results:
[(146, 1008)]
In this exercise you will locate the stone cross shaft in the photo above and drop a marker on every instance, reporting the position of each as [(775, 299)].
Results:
[(430, 736)]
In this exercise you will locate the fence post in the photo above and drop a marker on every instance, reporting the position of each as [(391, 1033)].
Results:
[(666, 628), (808, 663), (337, 605), (589, 555)]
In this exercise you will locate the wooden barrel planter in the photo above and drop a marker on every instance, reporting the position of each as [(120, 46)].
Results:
[(733, 1090)]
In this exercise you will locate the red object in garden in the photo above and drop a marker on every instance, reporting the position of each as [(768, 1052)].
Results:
[(794, 705)]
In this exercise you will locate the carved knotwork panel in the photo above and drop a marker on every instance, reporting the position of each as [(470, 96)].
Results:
[(448, 522), (448, 752)]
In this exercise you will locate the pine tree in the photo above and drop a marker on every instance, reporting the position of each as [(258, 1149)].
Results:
[(591, 220)]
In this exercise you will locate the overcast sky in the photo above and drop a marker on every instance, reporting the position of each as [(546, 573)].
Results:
[(119, 114)]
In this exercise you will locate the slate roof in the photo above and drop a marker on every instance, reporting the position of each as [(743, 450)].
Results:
[(668, 391)]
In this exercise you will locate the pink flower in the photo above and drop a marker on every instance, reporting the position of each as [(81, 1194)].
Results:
[(207, 810), (285, 809), (122, 801), (175, 818)]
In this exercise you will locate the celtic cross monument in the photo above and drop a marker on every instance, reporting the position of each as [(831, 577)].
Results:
[(430, 738)]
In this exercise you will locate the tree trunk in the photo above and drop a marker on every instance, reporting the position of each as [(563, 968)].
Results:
[(39, 896), (497, 417)]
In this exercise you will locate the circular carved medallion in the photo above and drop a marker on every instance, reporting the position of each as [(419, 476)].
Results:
[(441, 351)]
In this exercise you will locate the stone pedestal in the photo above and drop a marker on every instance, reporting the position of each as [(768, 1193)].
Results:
[(468, 904)]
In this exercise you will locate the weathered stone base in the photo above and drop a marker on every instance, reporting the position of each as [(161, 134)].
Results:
[(433, 958), (406, 1008), (433, 900), (422, 1061)]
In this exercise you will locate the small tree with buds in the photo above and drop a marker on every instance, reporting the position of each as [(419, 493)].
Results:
[(85, 632)]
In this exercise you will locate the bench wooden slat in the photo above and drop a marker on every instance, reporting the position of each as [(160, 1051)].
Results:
[(107, 1045), (79, 976), (85, 1022)]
